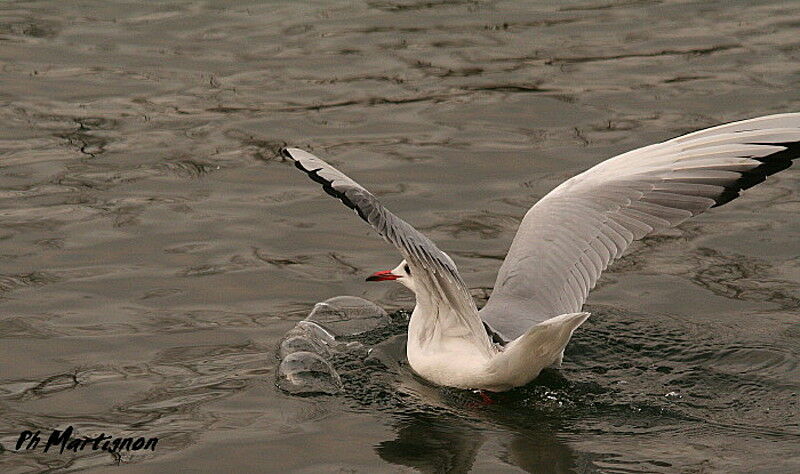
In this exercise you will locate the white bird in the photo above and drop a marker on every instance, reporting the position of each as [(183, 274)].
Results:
[(563, 244)]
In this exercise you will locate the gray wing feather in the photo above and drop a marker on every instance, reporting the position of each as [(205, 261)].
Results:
[(572, 234), (418, 250)]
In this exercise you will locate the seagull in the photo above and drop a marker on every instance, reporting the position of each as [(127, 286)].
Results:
[(563, 244)]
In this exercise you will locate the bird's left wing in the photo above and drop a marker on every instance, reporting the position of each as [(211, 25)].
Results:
[(572, 234), (419, 251)]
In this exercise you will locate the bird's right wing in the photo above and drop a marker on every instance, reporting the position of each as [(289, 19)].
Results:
[(572, 234), (431, 266)]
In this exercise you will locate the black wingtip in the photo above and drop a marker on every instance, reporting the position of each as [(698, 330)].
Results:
[(327, 185), (286, 154), (770, 165)]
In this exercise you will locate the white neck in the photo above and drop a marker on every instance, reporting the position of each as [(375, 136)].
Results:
[(436, 324)]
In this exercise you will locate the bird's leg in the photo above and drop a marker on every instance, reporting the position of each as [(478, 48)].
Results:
[(486, 400)]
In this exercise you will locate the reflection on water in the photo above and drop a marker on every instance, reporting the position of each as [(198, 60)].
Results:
[(154, 249), (449, 444), (433, 444)]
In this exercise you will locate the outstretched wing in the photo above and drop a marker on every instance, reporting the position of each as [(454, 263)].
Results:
[(424, 257), (572, 234)]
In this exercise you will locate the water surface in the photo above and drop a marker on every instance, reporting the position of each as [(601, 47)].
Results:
[(154, 249)]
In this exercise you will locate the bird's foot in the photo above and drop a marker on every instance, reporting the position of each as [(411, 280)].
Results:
[(486, 400)]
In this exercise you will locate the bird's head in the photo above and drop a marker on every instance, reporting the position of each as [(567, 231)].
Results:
[(401, 273)]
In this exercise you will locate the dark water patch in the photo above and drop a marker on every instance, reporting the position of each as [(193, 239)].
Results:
[(99, 179), (190, 247), (265, 150), (84, 140), (609, 5), (374, 101), (360, 78), (173, 321), (211, 269), (485, 225), (231, 110), (398, 6), (188, 168), (279, 260), (11, 29), (52, 384), (161, 293), (515, 88), (685, 79), (11, 327), (9, 283), (654, 54), (51, 244)]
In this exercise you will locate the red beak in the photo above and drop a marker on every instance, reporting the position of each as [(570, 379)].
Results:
[(382, 276)]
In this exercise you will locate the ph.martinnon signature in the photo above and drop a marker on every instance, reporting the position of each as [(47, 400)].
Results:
[(65, 441)]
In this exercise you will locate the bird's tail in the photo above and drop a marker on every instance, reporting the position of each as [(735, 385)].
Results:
[(541, 346)]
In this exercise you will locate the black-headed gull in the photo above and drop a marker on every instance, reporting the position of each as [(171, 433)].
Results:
[(563, 244)]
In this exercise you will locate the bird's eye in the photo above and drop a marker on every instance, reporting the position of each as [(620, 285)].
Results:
[(407, 269)]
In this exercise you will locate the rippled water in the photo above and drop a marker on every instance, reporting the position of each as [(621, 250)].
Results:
[(154, 250)]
